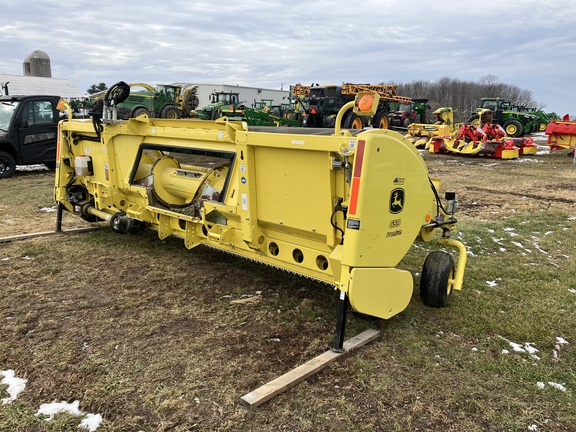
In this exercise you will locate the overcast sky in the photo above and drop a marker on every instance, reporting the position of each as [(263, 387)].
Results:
[(270, 44)]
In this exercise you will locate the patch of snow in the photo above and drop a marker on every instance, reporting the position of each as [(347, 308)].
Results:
[(532, 427), (48, 209), (525, 348), (561, 340), (491, 284), (91, 422), (15, 385), (537, 246), (557, 386), (548, 233), (540, 384), (531, 160), (51, 409), (573, 291), (516, 347), (37, 167), (508, 229)]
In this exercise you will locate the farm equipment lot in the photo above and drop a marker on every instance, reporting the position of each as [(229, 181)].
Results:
[(142, 331)]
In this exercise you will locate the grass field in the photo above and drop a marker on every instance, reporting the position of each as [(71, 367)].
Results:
[(142, 332)]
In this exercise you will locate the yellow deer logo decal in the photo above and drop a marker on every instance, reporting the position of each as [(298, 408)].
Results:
[(397, 201)]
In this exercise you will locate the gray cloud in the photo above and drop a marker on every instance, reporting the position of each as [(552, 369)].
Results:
[(272, 43)]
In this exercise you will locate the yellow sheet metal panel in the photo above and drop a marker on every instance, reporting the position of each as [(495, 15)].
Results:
[(389, 200), (292, 191), (380, 292)]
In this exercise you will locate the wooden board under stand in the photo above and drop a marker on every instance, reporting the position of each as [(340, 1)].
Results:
[(45, 233), (295, 376)]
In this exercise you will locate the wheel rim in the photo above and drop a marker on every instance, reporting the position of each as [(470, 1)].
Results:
[(356, 123), (511, 129), (383, 123), (542, 127)]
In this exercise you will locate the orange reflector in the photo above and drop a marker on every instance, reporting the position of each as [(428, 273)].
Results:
[(313, 111), (61, 105), (365, 103), (428, 218)]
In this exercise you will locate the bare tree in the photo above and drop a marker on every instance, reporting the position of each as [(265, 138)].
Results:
[(464, 97)]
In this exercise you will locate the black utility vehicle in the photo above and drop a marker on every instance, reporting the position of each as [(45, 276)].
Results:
[(28, 130)]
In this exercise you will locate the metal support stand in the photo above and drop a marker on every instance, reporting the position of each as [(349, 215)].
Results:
[(341, 323), (59, 217), (58, 229)]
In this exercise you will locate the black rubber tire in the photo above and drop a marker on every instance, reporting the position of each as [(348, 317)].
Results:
[(50, 165), (192, 102), (139, 111), (438, 269), (474, 119), (170, 112), (380, 120), (513, 128), (351, 121), (7, 165)]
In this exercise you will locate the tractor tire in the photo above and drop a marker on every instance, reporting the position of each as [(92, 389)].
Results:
[(352, 121), (170, 112), (7, 165), (542, 127), (407, 122), (139, 111), (435, 286), (380, 120), (513, 128), (474, 120), (192, 102)]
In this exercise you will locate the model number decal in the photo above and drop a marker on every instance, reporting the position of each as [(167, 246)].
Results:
[(395, 223)]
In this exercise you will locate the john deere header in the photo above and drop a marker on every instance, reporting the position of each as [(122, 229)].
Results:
[(340, 208)]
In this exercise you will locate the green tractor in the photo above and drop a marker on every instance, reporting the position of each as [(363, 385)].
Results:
[(164, 101), (222, 104), (543, 117), (266, 113), (515, 123)]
